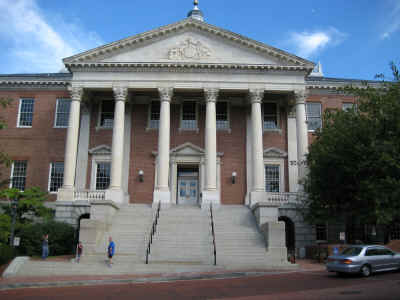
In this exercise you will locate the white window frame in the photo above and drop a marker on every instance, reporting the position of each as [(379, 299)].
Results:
[(228, 113), (149, 116), (320, 115), (100, 109), (281, 163), (349, 104), (49, 182), (278, 117), (12, 173), (97, 159), (196, 114), (19, 112), (56, 113)]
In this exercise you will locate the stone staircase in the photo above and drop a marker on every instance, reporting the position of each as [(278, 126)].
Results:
[(183, 236), (239, 242), (128, 230)]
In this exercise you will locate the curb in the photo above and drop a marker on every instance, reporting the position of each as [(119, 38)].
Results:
[(14, 266), (73, 283)]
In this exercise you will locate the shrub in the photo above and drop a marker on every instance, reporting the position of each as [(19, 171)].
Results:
[(61, 238), (6, 254)]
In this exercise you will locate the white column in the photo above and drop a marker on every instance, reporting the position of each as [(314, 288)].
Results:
[(66, 193), (120, 95), (256, 97), (211, 96), (302, 132), (292, 147), (162, 192)]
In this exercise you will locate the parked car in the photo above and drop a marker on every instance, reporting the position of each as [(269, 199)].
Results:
[(364, 259)]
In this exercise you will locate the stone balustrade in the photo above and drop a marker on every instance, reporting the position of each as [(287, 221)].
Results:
[(280, 199), (89, 195)]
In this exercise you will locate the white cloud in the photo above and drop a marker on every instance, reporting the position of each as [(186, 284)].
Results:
[(392, 19), (309, 43), (34, 44)]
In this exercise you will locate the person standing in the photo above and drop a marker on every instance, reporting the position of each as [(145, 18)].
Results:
[(110, 250), (79, 250), (45, 246)]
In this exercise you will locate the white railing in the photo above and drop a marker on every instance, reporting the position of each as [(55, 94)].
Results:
[(280, 199), (88, 195)]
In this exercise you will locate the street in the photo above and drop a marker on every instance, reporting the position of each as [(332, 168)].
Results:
[(292, 285)]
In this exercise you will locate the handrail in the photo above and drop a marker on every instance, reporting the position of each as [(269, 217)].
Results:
[(152, 232), (213, 235)]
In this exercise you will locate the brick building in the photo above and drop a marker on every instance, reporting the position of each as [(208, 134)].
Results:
[(188, 114)]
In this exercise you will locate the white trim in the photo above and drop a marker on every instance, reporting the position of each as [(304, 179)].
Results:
[(96, 159), (19, 112), (55, 114), (320, 114), (49, 182), (281, 163), (12, 172), (11, 175), (196, 114), (148, 128), (228, 112), (99, 111)]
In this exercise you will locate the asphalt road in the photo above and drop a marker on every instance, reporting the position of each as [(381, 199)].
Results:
[(298, 285)]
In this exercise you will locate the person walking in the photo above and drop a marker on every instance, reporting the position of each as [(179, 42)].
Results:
[(79, 250), (45, 246), (110, 250)]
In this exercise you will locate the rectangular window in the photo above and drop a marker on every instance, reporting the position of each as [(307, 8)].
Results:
[(321, 232), (154, 115), (270, 116), (348, 106), (189, 120), (272, 178), (107, 114), (313, 111), (222, 115), (62, 113), (56, 176), (25, 114), (103, 175), (18, 174)]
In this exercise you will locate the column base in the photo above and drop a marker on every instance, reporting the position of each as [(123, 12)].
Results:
[(162, 196), (210, 197), (115, 195), (257, 197), (65, 194)]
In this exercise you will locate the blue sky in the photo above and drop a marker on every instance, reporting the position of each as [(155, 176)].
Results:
[(351, 38)]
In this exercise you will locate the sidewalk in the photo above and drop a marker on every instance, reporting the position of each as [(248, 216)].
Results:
[(167, 273)]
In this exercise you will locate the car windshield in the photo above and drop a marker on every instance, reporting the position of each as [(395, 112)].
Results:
[(351, 251)]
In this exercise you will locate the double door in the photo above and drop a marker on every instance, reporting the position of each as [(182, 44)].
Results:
[(188, 190)]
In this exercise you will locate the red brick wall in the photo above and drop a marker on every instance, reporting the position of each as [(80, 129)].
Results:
[(40, 144)]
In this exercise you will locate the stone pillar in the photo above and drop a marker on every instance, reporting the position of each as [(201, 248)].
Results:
[(162, 193), (302, 132), (66, 193), (258, 189), (292, 147), (115, 192), (210, 194)]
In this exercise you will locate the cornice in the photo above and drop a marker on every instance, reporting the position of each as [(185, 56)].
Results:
[(136, 40), (34, 84)]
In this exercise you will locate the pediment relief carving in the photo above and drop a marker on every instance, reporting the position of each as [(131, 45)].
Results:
[(189, 49), (274, 152), (100, 150)]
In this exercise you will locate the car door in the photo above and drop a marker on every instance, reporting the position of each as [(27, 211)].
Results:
[(372, 258), (390, 259)]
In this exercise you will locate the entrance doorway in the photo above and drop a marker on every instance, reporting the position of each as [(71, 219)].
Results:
[(188, 185)]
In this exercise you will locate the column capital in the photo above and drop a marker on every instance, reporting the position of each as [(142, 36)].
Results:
[(76, 93), (166, 93), (256, 95), (300, 96), (120, 93), (211, 94)]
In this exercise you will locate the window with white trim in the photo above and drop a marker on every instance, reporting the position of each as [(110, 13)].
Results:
[(103, 175), (222, 115), (189, 115), (107, 113), (155, 108), (18, 174), (313, 113), (272, 178), (270, 115), (56, 176), (25, 112), (62, 113), (346, 106)]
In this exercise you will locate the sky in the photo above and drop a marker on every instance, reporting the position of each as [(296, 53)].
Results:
[(351, 38)]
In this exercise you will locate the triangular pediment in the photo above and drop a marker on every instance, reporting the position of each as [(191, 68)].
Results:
[(274, 152), (187, 42), (187, 149), (100, 150)]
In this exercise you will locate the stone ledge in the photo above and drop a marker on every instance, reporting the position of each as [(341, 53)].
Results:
[(15, 265)]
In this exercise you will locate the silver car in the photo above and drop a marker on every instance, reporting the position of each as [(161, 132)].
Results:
[(364, 259)]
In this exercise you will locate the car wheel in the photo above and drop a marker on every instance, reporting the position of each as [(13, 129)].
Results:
[(365, 270)]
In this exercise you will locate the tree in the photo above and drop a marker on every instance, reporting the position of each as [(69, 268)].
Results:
[(354, 161), (4, 158)]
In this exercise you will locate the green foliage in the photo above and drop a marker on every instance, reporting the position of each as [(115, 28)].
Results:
[(4, 158), (354, 162), (6, 254), (5, 228), (61, 238), (30, 203)]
